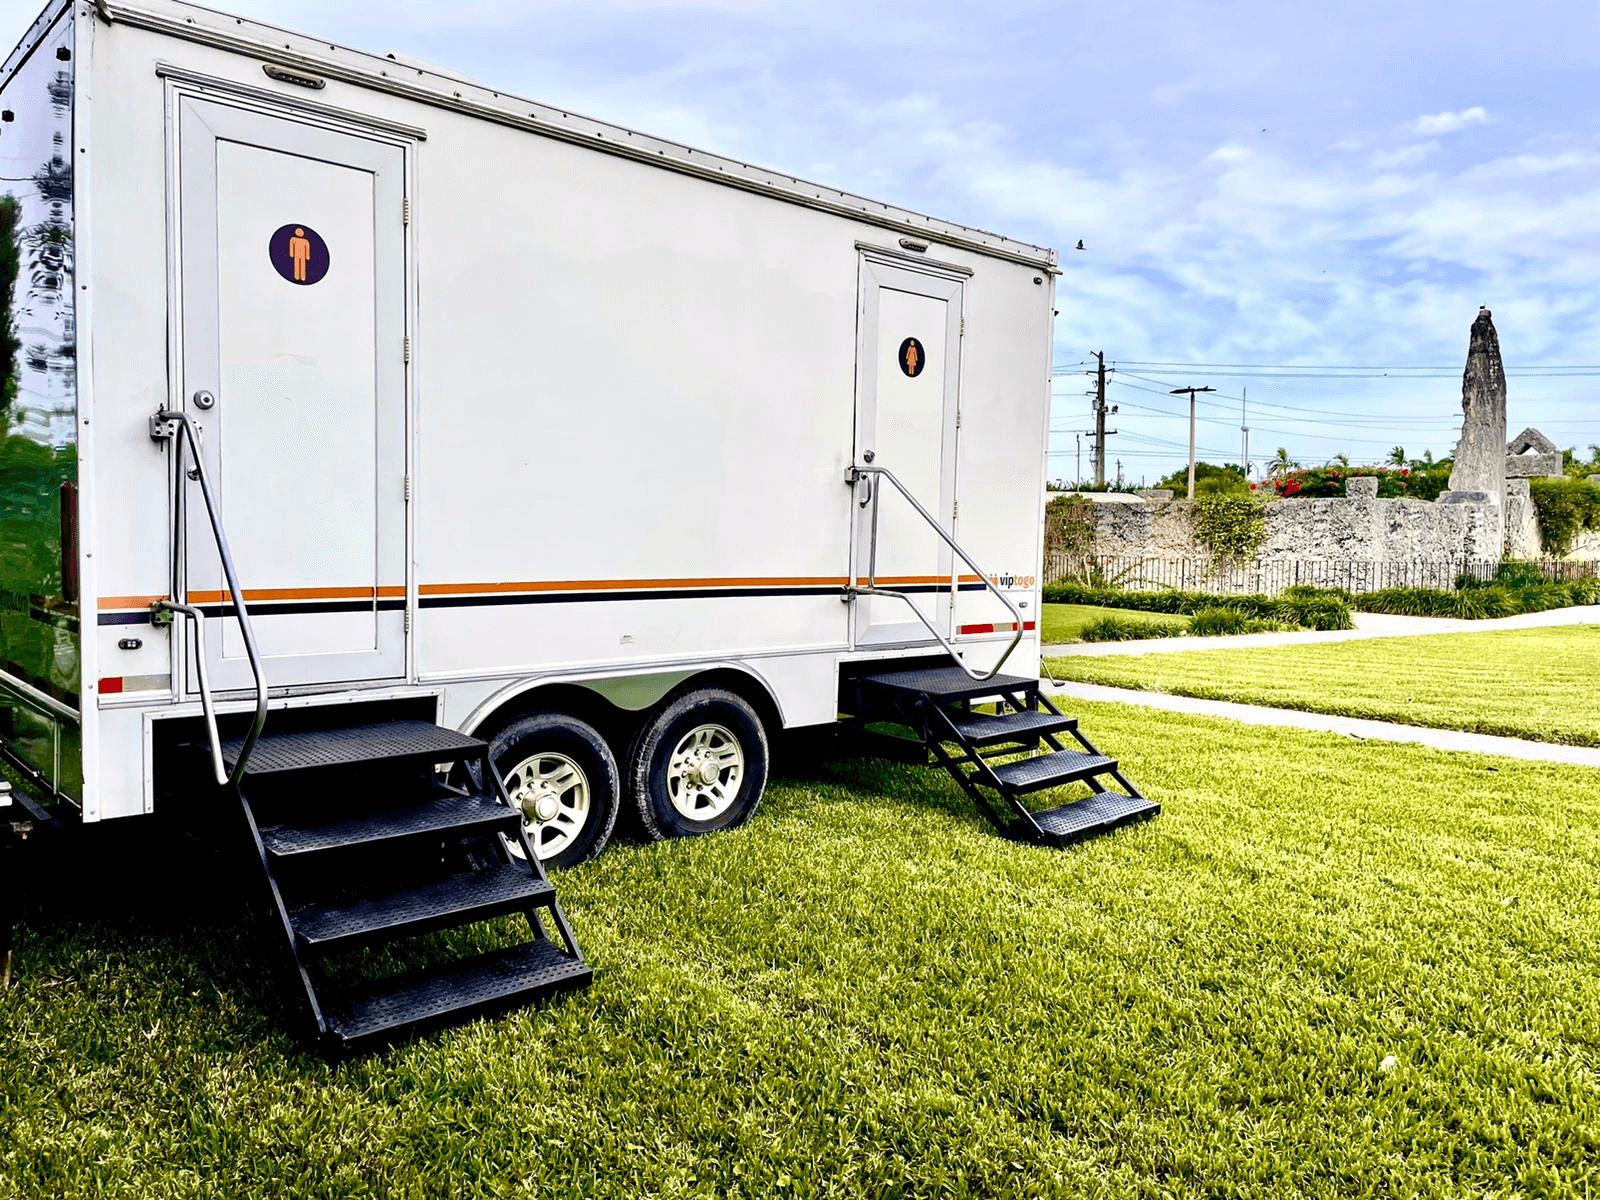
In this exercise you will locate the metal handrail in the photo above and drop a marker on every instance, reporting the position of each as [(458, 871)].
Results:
[(175, 426), (873, 497)]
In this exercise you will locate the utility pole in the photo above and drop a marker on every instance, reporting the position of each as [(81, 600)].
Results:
[(1100, 421), (1244, 428), (1077, 434), (1191, 391)]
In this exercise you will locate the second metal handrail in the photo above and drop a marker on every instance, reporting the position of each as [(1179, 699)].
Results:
[(168, 425), (873, 497)]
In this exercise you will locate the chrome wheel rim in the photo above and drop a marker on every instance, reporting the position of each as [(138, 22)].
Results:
[(553, 794), (704, 772)]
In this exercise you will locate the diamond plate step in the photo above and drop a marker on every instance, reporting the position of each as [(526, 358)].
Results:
[(944, 685), (479, 986), (443, 905), (1051, 770), (450, 814), (989, 729), (389, 742), (1097, 814)]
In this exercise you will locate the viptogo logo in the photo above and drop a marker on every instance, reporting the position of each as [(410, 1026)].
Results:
[(1014, 582)]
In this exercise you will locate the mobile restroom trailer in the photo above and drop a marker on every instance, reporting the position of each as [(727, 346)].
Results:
[(426, 476)]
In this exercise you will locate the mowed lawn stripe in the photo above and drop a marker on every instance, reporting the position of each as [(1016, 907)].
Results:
[(1529, 683), (867, 992)]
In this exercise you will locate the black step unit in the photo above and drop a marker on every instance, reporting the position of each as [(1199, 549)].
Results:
[(944, 684), (453, 814), (1000, 756), (369, 846), (993, 729), (1094, 815), (444, 904), (1052, 770), (391, 743), (483, 985)]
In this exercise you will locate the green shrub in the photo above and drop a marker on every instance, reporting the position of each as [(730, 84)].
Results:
[(1473, 604), (1517, 575), (1125, 629), (1317, 611), (1566, 508), (1222, 622), (1309, 608), (1305, 590), (1230, 525)]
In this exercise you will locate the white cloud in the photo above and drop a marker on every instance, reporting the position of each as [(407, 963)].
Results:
[(1404, 156), (1450, 122)]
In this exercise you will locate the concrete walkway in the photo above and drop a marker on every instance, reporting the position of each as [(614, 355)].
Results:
[(1384, 731), (1368, 625)]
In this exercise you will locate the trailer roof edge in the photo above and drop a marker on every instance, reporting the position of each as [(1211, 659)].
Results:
[(360, 68)]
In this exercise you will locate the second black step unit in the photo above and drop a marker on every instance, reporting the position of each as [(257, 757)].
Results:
[(938, 704), (361, 842)]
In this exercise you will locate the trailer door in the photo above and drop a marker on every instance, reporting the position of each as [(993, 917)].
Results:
[(292, 294), (907, 393)]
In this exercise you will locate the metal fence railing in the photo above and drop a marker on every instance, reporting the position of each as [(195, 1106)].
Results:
[(1271, 577)]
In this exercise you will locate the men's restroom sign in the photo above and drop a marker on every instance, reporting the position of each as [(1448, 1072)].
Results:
[(912, 357), (299, 254)]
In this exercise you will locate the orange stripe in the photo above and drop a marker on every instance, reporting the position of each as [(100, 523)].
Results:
[(265, 595), (112, 602), (616, 585), (904, 580)]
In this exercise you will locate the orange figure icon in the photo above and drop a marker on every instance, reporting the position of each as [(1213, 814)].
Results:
[(911, 359), (300, 252)]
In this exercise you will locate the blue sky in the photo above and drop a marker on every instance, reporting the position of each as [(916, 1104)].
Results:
[(1255, 183)]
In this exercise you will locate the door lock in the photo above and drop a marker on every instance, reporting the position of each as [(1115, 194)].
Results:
[(204, 400)]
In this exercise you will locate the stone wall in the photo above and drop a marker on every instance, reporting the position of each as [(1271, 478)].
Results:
[(1522, 521), (1359, 528)]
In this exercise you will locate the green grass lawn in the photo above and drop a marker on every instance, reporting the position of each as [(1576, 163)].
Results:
[(1532, 683), (868, 993), (1064, 622)]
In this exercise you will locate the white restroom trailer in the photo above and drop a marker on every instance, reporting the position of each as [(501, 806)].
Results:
[(512, 420)]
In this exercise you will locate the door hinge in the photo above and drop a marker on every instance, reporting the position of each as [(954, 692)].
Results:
[(408, 620), (955, 510), (405, 211), (958, 418), (963, 332), (408, 489), (408, 350)]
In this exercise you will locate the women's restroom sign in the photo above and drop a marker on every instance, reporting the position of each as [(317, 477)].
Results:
[(299, 254)]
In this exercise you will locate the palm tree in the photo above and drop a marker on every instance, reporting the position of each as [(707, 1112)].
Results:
[(1397, 456), (1282, 464)]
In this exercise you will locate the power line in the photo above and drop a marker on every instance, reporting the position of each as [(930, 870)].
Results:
[(1200, 366)]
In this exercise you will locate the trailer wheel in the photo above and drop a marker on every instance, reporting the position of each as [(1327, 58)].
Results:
[(563, 777), (698, 765)]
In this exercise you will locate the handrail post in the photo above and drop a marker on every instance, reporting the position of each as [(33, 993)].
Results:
[(873, 590), (174, 426)]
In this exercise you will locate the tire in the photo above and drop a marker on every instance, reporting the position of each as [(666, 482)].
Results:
[(698, 766), (564, 777)]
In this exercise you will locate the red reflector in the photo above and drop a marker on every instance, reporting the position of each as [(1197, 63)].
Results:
[(111, 687)]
